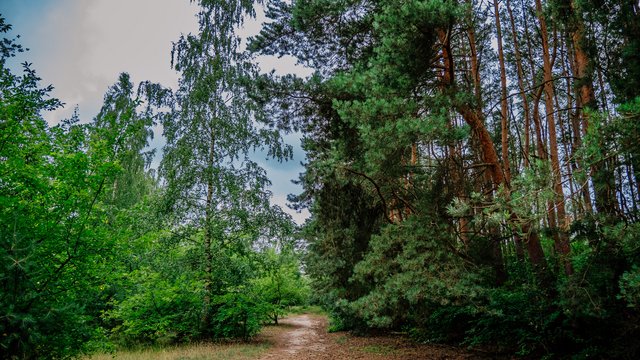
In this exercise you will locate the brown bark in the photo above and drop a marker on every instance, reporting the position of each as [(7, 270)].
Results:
[(523, 94), (567, 150), (503, 102), (541, 147), (457, 182), (562, 242), (488, 152), (475, 69), (576, 144), (586, 93), (605, 198), (580, 196), (474, 118), (447, 79), (534, 247)]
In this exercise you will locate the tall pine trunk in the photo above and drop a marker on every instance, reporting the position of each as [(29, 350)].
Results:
[(474, 118), (603, 177), (562, 239), (532, 240), (504, 115)]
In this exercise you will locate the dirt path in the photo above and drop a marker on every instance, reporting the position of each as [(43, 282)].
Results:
[(298, 337), (305, 337)]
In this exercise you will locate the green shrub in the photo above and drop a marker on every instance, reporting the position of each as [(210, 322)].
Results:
[(238, 315), (446, 324), (281, 284), (160, 310), (630, 287), (517, 319)]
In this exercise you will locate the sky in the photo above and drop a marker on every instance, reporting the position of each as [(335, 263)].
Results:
[(81, 46)]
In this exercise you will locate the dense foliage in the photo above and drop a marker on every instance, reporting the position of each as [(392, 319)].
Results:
[(472, 167), (98, 251), (472, 171)]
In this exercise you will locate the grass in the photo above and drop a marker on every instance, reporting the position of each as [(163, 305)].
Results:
[(341, 340), (379, 349), (311, 309), (203, 351)]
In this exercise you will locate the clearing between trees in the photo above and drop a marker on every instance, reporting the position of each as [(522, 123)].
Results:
[(304, 336)]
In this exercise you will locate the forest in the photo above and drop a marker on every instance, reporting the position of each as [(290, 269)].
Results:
[(472, 173)]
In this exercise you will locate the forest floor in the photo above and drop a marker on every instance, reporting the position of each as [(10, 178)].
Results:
[(299, 337), (305, 336)]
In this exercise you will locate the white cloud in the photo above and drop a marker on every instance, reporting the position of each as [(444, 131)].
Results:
[(136, 36), (282, 65), (298, 217), (82, 46)]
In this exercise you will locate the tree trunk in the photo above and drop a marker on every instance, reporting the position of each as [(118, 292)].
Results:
[(523, 94), (562, 241), (474, 118), (541, 147), (475, 69), (534, 247), (503, 101), (604, 190), (208, 256), (577, 131)]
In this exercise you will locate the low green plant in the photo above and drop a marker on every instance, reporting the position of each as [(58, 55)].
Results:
[(160, 310), (281, 285), (379, 349), (238, 315), (630, 287)]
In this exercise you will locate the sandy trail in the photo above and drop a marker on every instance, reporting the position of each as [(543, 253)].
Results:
[(299, 337), (305, 337)]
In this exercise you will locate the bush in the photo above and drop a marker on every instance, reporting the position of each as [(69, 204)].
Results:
[(238, 315), (281, 284), (519, 319), (630, 287), (161, 310), (446, 324)]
